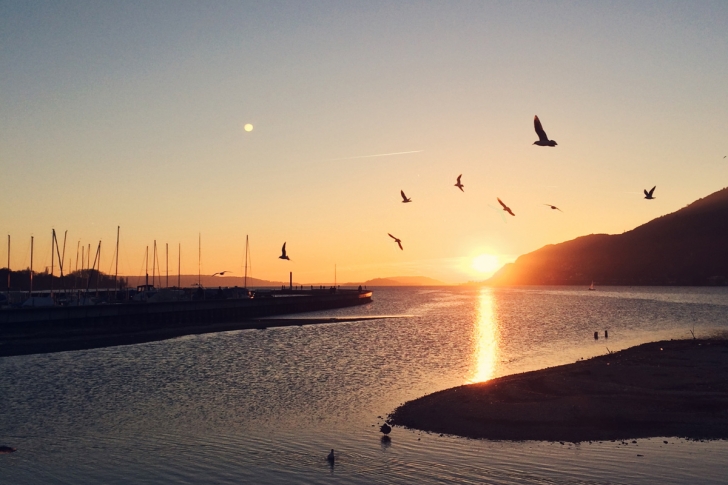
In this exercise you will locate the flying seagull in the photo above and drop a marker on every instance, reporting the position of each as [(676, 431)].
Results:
[(554, 207), (459, 185), (648, 195), (543, 140), (505, 207), (398, 241), (283, 253), (222, 273), (405, 199)]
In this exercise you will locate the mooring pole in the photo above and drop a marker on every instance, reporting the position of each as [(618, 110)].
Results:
[(290, 280)]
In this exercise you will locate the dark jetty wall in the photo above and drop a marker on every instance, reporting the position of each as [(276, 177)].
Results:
[(53, 329)]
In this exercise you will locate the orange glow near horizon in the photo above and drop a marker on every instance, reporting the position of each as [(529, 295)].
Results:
[(485, 355), (486, 263)]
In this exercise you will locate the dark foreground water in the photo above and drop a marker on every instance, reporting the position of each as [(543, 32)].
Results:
[(265, 406)]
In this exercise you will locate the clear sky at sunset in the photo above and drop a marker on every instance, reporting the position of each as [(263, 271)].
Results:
[(133, 114)]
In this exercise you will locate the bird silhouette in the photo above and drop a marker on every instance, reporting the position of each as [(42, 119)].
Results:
[(222, 273), (404, 197), (648, 195), (331, 458), (554, 207), (398, 241), (385, 428), (505, 207), (459, 185), (543, 140), (283, 253)]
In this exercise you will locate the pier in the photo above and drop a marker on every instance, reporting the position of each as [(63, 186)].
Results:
[(63, 328)]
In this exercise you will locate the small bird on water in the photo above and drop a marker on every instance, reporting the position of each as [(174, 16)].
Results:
[(405, 199), (398, 241), (385, 428), (554, 207), (283, 253), (6, 449), (505, 207), (459, 185), (331, 458), (648, 195), (543, 140)]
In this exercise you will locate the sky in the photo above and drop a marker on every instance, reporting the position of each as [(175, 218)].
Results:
[(132, 114)]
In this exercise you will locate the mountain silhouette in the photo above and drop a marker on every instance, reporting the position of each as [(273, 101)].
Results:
[(402, 281), (687, 247)]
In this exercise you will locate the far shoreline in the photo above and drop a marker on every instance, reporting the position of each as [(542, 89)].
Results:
[(668, 388)]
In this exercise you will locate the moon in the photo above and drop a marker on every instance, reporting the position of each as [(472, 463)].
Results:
[(248, 127)]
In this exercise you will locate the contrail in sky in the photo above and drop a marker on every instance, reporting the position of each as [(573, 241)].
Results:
[(372, 156)]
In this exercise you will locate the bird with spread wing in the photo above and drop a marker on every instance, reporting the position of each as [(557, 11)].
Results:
[(398, 241), (543, 140), (505, 207)]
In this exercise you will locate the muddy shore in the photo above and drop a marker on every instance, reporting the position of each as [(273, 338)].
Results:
[(669, 388)]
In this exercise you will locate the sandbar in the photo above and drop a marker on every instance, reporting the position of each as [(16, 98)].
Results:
[(669, 388)]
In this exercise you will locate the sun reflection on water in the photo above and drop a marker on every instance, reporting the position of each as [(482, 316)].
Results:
[(486, 336)]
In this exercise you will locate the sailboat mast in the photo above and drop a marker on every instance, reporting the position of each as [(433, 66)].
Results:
[(166, 255), (8, 266), (246, 261), (62, 259), (53, 257), (146, 267), (179, 264), (199, 258), (98, 271), (31, 266), (116, 265), (154, 260)]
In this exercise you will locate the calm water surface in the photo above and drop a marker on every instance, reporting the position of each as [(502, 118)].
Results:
[(265, 406)]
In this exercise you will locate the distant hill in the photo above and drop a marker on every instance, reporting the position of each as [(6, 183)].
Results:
[(206, 280), (401, 281), (687, 247)]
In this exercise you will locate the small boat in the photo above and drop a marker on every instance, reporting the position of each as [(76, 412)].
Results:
[(591, 287)]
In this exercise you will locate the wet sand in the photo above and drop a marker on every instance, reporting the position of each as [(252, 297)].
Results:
[(670, 388), (73, 340)]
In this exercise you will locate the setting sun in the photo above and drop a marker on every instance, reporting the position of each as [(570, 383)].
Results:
[(485, 263)]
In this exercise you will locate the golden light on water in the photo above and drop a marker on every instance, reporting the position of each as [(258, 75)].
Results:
[(485, 354)]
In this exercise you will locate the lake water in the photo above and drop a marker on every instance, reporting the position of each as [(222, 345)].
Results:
[(266, 406)]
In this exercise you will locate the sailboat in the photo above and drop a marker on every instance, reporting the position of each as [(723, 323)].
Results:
[(591, 287)]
